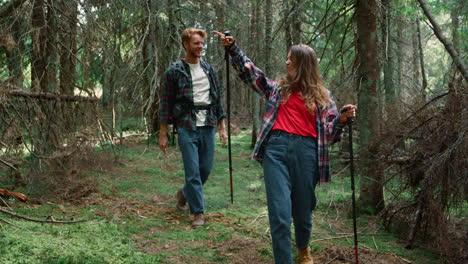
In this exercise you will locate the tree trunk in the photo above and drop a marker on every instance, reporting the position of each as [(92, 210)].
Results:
[(416, 66), (421, 62), (14, 52), (268, 35), (69, 9), (448, 46), (220, 51), (297, 18), (150, 68), (399, 54), (254, 50), (287, 25), (371, 194), (455, 98), (389, 85), (52, 49), (39, 41)]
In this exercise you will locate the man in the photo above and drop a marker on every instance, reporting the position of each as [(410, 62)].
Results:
[(191, 100)]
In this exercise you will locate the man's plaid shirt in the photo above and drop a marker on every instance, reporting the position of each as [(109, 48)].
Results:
[(178, 88), (329, 129)]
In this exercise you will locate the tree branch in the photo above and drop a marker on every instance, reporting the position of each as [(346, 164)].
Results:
[(52, 96), (51, 220), (448, 45), (5, 11), (8, 164)]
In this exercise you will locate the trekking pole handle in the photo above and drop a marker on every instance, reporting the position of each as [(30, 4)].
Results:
[(226, 48), (350, 119)]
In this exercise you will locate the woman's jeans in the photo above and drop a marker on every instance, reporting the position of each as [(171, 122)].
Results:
[(291, 172), (197, 147)]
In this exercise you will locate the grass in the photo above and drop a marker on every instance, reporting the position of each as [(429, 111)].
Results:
[(132, 218)]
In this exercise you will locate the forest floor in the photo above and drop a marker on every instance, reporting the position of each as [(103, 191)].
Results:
[(130, 207)]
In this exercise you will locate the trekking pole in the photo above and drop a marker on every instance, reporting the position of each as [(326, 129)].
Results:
[(228, 99), (351, 160)]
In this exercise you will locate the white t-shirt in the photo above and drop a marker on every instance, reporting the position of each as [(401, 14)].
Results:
[(201, 90)]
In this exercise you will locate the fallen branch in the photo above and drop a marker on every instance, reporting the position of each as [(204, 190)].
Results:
[(19, 227), (52, 96), (359, 234), (50, 219)]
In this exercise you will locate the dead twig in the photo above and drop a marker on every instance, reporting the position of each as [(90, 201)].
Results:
[(400, 258), (8, 164), (19, 227), (259, 216), (375, 243), (50, 220), (330, 238), (332, 260), (360, 234)]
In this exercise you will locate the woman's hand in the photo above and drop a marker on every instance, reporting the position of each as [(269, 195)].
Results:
[(346, 112), (226, 41)]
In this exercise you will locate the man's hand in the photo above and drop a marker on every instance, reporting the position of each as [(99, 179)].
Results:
[(163, 142), (346, 112), (222, 132)]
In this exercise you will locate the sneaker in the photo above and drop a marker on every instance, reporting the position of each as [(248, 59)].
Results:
[(198, 220), (181, 200), (305, 257)]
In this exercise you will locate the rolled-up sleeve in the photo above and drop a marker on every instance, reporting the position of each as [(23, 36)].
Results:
[(250, 74)]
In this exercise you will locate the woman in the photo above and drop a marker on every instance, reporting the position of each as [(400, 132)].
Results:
[(300, 122)]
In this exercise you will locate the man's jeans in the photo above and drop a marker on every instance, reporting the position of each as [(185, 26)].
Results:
[(197, 147), (291, 172)]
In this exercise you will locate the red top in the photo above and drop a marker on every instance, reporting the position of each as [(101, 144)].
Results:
[(293, 117)]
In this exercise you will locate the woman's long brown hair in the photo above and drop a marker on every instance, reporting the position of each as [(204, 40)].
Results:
[(306, 78)]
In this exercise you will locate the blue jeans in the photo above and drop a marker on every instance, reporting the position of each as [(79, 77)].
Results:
[(197, 147), (291, 173)]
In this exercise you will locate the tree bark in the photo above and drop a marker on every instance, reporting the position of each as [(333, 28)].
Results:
[(39, 37), (68, 51), (421, 62), (297, 18), (14, 47), (150, 67), (371, 194), (52, 47), (399, 54), (448, 46), (287, 25), (389, 84), (416, 65), (254, 50)]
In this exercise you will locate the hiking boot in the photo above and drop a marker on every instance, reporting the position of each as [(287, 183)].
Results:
[(181, 201), (304, 256), (198, 220)]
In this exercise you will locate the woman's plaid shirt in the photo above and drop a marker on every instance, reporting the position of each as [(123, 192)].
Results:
[(329, 129)]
